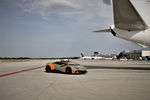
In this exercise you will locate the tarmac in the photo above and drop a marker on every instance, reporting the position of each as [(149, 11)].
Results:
[(105, 80)]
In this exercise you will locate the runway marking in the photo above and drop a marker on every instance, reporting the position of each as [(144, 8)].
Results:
[(20, 71)]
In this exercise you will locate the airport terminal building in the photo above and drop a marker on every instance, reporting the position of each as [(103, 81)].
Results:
[(136, 54)]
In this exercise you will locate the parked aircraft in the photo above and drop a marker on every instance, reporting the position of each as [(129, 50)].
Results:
[(98, 58), (86, 58), (131, 21)]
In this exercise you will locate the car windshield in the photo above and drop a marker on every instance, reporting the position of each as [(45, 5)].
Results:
[(72, 63)]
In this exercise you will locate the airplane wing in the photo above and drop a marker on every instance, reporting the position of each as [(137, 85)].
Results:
[(126, 16)]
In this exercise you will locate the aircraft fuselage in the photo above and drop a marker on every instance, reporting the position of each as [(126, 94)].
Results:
[(139, 37)]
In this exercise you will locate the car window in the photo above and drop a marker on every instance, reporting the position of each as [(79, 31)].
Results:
[(73, 63), (60, 63)]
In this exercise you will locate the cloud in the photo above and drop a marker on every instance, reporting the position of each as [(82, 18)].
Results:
[(76, 9)]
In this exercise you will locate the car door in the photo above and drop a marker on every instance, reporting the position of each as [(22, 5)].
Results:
[(57, 65), (62, 66)]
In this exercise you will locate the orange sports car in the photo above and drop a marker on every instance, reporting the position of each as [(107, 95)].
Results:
[(68, 67)]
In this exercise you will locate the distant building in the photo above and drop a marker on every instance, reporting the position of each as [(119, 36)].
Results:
[(96, 54), (136, 54)]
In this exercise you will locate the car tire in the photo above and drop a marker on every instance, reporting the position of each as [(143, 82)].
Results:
[(84, 72), (68, 71), (48, 68)]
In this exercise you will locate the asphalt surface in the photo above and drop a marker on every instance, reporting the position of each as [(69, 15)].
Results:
[(105, 80)]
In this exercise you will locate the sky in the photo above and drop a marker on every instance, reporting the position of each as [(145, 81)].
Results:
[(57, 28)]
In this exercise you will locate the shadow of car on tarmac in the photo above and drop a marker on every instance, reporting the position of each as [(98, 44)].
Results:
[(59, 72)]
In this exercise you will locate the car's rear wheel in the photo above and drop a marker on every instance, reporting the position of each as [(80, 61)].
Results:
[(48, 68), (68, 71)]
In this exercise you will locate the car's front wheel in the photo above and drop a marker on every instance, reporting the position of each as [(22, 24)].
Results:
[(48, 68), (68, 70)]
